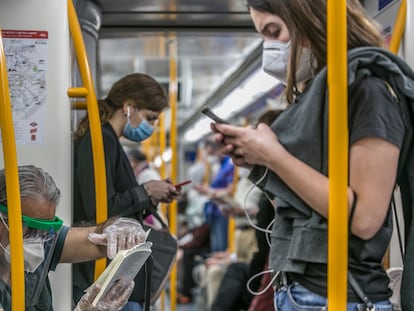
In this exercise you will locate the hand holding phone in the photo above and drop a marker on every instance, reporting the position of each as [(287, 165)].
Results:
[(182, 183), (209, 113)]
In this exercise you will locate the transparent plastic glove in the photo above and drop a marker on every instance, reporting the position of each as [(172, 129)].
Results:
[(123, 233), (114, 300)]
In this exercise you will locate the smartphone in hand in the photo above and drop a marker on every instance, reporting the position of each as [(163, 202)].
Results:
[(209, 113), (183, 183)]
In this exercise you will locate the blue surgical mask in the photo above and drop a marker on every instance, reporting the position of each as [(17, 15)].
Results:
[(140, 133)]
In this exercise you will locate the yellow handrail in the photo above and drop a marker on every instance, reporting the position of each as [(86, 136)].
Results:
[(173, 142), (232, 222), (399, 27), (338, 155), (94, 124), (13, 187)]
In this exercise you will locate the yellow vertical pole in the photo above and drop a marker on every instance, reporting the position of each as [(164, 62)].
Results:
[(163, 138), (163, 173), (173, 143), (162, 145), (13, 187), (399, 27), (95, 126), (338, 155), (232, 223)]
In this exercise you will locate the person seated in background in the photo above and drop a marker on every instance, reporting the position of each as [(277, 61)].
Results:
[(233, 294), (47, 242), (245, 200), (142, 168), (221, 184), (194, 243)]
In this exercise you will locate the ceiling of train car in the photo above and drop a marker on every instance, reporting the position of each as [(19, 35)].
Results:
[(175, 13), (214, 41)]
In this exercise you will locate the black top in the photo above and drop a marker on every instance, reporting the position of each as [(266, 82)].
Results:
[(125, 196)]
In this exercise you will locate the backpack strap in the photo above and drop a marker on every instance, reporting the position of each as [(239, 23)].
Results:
[(397, 222), (148, 272)]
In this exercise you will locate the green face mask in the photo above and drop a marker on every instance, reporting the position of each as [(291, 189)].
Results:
[(48, 225)]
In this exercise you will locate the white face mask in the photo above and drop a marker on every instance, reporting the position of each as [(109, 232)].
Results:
[(275, 61), (34, 254), (33, 250)]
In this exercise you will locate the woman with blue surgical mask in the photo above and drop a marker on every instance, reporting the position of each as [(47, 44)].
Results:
[(130, 110)]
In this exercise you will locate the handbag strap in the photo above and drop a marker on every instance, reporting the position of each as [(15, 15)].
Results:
[(148, 271)]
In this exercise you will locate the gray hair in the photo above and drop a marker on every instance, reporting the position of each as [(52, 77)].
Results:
[(34, 183)]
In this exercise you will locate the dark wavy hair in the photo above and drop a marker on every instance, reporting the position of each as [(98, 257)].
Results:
[(142, 89)]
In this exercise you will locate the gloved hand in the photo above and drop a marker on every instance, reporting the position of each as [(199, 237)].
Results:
[(114, 300), (123, 233)]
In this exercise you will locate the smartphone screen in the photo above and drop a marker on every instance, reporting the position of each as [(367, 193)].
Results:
[(213, 116)]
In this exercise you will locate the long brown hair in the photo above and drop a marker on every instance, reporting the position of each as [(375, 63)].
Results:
[(306, 21), (143, 90)]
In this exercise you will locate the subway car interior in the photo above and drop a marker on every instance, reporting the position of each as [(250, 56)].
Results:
[(213, 43), (205, 53)]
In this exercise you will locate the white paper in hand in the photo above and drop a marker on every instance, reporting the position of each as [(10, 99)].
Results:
[(126, 264)]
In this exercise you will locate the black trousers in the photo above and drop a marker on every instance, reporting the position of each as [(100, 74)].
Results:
[(188, 263), (233, 294)]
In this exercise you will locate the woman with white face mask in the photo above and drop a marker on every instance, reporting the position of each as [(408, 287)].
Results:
[(290, 158), (130, 109)]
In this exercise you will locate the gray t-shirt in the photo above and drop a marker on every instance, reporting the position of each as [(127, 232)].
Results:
[(373, 112)]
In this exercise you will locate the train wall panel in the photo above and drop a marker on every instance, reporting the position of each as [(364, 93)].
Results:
[(48, 144)]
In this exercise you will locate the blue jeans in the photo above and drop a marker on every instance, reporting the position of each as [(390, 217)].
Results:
[(218, 233), (295, 297)]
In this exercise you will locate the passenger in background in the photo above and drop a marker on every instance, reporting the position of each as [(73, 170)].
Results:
[(142, 168), (194, 244), (130, 109), (46, 243), (290, 158), (244, 200), (233, 294), (222, 184)]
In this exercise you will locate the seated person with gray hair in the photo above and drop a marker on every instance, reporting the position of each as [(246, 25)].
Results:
[(47, 242)]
